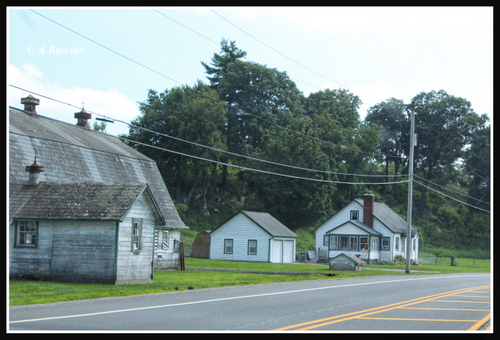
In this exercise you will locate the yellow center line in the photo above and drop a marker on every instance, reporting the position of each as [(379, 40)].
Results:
[(480, 323), (458, 301), (461, 309), (359, 314), (410, 319)]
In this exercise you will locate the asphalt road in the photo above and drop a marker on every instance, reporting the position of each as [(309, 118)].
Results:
[(455, 302)]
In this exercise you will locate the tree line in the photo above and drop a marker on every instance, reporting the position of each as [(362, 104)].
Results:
[(256, 111)]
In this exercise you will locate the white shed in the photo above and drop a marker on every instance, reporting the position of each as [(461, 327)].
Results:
[(253, 236)]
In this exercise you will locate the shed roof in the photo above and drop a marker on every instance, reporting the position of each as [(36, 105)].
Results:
[(72, 154), (267, 222), (79, 201)]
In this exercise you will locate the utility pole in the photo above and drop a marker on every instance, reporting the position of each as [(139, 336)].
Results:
[(410, 184)]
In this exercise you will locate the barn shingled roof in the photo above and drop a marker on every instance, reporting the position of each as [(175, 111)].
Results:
[(71, 154)]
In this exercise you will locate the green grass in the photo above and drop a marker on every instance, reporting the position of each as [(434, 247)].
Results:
[(24, 292)]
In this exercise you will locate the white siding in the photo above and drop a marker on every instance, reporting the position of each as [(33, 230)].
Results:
[(132, 266), (341, 217), (167, 258), (240, 229)]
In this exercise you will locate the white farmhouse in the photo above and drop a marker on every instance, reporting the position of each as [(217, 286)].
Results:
[(365, 226)]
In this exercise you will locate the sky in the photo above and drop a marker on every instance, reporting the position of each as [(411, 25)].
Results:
[(107, 59)]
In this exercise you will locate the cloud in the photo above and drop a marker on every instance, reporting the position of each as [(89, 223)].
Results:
[(109, 103)]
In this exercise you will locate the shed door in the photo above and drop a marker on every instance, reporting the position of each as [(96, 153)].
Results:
[(288, 252), (277, 255)]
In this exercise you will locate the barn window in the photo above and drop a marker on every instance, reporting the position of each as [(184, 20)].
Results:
[(165, 243), (136, 234), (228, 246), (26, 235), (252, 247), (157, 232)]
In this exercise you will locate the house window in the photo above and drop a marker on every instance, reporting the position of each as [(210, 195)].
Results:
[(334, 242), (343, 242), (325, 240), (375, 244), (228, 246), (353, 243), (27, 232), (136, 234), (252, 247), (385, 244), (165, 240), (363, 243), (354, 215), (396, 243), (414, 244), (157, 232)]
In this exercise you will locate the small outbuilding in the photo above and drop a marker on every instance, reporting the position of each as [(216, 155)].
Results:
[(345, 261), (201, 245), (253, 236)]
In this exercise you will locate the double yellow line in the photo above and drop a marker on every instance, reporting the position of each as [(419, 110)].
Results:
[(349, 316)]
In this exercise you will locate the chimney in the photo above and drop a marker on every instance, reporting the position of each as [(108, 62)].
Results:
[(35, 171), (30, 103), (82, 117), (368, 204)]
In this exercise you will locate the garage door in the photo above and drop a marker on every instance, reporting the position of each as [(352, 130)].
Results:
[(277, 255), (288, 252)]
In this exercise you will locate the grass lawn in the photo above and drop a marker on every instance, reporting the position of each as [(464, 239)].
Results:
[(23, 292)]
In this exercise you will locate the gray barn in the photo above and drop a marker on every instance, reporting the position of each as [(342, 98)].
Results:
[(90, 208)]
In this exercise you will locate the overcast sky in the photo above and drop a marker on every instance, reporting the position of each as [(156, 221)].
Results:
[(375, 52)]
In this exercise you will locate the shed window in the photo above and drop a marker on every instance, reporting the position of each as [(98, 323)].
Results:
[(27, 232), (136, 234), (165, 240), (228, 246), (252, 247)]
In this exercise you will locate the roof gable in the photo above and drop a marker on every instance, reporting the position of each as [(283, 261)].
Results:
[(337, 213), (364, 227), (266, 222)]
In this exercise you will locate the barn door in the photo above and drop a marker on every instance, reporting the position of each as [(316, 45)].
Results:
[(277, 255)]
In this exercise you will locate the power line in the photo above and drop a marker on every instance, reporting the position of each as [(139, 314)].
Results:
[(208, 147), (470, 205), (255, 170), (240, 110), (457, 192), (263, 43)]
